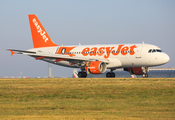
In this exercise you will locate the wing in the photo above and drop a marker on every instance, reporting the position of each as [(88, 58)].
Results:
[(56, 57)]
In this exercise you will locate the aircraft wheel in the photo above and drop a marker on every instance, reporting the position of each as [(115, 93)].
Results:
[(113, 74), (82, 74), (110, 74), (145, 75)]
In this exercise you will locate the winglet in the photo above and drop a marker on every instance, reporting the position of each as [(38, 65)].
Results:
[(12, 52)]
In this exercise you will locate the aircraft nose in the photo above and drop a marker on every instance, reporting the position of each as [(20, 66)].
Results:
[(166, 58)]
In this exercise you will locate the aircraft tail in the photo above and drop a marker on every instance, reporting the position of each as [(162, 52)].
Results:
[(39, 34)]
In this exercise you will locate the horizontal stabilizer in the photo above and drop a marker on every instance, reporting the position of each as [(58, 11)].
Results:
[(20, 51)]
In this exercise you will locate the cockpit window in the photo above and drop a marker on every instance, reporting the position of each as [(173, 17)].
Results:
[(154, 50), (159, 50), (150, 51)]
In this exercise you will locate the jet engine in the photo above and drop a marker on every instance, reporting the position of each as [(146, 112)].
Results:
[(95, 67)]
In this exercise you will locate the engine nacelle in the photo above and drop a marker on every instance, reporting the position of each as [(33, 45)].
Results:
[(95, 67), (136, 71)]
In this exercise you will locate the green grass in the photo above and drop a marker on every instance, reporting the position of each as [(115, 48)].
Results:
[(89, 98)]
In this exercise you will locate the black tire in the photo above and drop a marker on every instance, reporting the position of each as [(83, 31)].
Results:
[(108, 75), (84, 74), (80, 74), (112, 74), (145, 75)]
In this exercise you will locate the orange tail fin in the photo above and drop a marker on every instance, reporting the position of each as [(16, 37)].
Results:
[(39, 34)]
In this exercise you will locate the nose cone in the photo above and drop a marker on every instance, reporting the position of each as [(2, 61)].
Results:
[(165, 58)]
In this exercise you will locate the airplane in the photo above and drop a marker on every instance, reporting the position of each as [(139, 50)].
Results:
[(93, 59)]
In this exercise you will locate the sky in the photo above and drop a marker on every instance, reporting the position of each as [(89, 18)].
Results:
[(70, 22)]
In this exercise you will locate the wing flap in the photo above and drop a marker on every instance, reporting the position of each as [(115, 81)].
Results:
[(64, 57)]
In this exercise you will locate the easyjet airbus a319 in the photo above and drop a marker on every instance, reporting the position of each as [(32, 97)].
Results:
[(94, 59)]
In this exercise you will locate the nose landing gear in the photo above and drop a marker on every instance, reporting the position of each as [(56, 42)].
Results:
[(145, 75), (145, 72)]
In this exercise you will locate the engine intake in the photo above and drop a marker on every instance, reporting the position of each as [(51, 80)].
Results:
[(95, 67)]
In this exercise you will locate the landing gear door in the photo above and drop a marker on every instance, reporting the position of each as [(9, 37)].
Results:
[(138, 52)]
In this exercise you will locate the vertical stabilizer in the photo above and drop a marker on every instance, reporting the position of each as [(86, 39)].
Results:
[(39, 34)]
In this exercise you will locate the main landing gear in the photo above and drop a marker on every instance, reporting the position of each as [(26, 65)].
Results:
[(82, 74), (110, 74)]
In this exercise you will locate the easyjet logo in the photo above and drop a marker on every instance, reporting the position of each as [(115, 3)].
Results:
[(39, 30), (123, 50)]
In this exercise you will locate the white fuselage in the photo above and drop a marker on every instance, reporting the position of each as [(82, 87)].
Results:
[(117, 55)]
